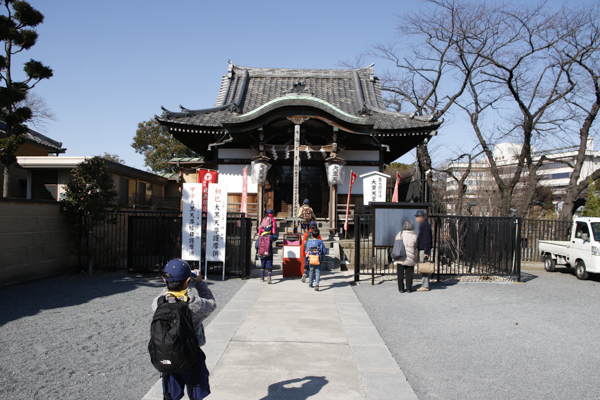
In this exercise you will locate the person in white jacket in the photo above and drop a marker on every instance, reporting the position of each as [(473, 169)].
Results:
[(406, 265)]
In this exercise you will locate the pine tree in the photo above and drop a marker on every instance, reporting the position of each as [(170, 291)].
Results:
[(592, 203), (16, 34), (89, 195)]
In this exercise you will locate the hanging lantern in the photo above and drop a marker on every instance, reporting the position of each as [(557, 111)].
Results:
[(335, 171), (259, 167)]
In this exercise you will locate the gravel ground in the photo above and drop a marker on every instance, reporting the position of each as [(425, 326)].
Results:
[(537, 340), (78, 337)]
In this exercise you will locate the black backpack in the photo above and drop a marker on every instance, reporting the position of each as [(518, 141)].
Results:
[(173, 343)]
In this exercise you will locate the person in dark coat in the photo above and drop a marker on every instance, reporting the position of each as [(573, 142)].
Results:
[(425, 243)]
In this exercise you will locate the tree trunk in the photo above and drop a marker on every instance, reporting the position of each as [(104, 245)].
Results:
[(505, 198), (6, 185)]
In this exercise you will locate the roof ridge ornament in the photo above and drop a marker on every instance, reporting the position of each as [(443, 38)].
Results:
[(299, 88)]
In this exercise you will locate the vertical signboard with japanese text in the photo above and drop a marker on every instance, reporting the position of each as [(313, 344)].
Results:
[(216, 227), (374, 187), (191, 228)]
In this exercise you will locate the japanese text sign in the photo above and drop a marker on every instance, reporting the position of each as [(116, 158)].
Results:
[(191, 229)]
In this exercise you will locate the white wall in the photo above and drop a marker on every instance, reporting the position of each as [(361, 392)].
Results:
[(231, 175), (358, 187)]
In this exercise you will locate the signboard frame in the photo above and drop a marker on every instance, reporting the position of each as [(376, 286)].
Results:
[(191, 226), (385, 214)]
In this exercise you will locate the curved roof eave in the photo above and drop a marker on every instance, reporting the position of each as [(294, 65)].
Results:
[(298, 101)]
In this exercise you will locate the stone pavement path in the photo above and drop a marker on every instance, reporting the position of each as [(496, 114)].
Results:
[(286, 341)]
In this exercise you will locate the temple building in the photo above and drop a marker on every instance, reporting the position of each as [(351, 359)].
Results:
[(292, 125)]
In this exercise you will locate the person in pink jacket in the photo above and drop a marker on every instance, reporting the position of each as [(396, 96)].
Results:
[(273, 223)]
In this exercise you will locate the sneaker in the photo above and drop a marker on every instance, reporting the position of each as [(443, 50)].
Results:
[(316, 288), (310, 285), (304, 278), (423, 289), (269, 280), (262, 279)]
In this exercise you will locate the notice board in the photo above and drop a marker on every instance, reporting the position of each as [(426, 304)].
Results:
[(388, 219)]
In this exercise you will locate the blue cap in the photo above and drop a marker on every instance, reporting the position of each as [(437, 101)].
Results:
[(267, 228), (313, 223), (306, 201), (421, 213), (178, 269), (270, 211)]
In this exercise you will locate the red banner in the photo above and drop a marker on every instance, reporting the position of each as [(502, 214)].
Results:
[(244, 205), (352, 179), (395, 195), (206, 176)]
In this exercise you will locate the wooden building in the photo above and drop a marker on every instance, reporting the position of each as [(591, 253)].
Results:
[(336, 114)]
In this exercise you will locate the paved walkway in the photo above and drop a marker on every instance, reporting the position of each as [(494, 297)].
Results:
[(287, 342)]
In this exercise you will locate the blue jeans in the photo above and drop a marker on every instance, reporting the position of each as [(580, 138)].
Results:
[(315, 272)]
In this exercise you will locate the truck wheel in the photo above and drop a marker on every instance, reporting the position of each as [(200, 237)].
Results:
[(580, 271), (549, 263)]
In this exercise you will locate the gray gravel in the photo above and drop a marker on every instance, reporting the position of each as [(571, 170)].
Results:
[(537, 340), (75, 337)]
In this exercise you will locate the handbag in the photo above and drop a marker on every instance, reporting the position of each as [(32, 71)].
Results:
[(426, 267), (399, 250)]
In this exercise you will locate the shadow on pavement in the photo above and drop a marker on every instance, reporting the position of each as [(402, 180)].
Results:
[(310, 386)]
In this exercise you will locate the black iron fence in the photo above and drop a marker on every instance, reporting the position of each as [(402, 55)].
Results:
[(462, 246), (477, 245), (534, 230), (143, 241)]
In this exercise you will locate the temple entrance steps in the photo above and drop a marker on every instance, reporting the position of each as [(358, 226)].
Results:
[(331, 261)]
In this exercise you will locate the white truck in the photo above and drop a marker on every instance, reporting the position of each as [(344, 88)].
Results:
[(582, 252)]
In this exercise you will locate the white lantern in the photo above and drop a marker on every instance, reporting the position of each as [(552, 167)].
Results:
[(335, 171), (259, 168)]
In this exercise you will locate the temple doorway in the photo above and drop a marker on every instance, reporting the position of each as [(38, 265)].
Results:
[(313, 186)]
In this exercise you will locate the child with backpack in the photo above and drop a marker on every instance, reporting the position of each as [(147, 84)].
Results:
[(307, 235), (177, 333), (268, 220), (264, 251), (306, 213), (315, 250)]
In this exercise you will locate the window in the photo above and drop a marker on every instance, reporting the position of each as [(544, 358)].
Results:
[(596, 231), (581, 228)]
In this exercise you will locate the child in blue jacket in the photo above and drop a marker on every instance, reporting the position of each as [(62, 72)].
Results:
[(314, 250), (266, 260)]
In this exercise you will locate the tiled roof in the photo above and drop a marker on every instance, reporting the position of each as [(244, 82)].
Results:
[(356, 92), (37, 138)]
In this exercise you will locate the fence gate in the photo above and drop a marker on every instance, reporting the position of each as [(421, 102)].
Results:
[(152, 241), (237, 250)]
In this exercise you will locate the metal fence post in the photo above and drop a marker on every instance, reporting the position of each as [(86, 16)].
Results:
[(356, 248)]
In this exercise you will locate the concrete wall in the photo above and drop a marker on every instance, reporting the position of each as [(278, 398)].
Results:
[(34, 240)]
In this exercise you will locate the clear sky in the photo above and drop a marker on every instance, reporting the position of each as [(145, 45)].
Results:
[(116, 62)]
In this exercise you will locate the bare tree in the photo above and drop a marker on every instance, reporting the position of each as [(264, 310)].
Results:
[(429, 74), (458, 195), (519, 87), (583, 51)]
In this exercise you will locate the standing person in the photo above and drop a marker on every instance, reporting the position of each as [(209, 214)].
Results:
[(315, 250), (268, 220), (307, 235), (405, 264), (264, 248), (306, 213), (425, 242), (178, 299)]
